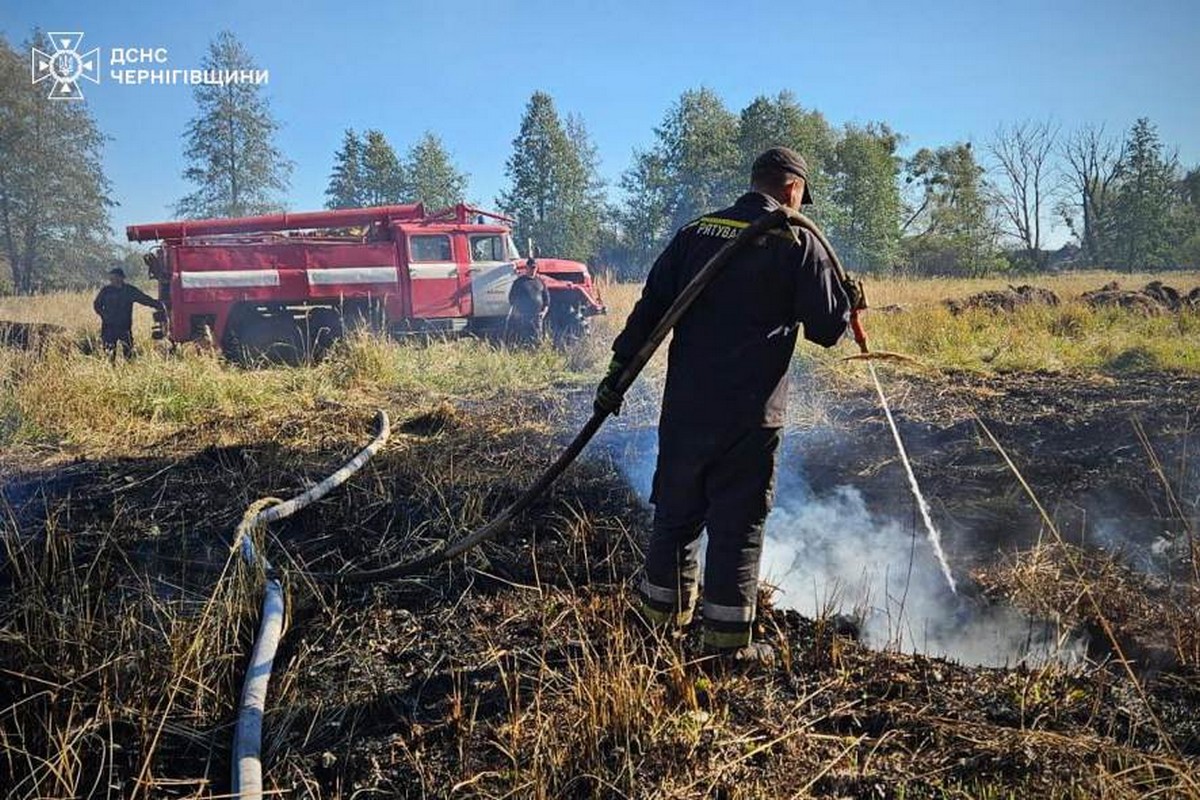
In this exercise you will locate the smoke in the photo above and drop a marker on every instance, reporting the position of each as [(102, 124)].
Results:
[(832, 554)]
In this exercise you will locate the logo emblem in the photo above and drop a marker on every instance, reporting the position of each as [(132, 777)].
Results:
[(65, 66)]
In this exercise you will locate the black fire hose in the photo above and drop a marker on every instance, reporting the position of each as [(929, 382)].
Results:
[(764, 224)]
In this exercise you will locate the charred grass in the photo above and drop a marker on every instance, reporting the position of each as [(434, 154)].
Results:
[(520, 671)]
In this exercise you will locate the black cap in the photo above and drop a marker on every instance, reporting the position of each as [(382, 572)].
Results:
[(120, 273), (785, 161)]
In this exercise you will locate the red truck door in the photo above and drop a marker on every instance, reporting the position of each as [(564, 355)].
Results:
[(433, 275)]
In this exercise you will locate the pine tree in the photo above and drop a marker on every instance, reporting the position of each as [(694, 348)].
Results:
[(553, 183), (430, 177), (345, 182), (1186, 252), (54, 196), (382, 174), (1142, 211), (230, 144)]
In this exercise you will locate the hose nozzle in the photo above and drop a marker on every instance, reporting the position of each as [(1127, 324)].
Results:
[(860, 335)]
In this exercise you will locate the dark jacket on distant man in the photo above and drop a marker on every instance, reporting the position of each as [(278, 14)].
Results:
[(114, 304)]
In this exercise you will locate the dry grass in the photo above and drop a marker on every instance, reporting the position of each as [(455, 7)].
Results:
[(70, 310), (64, 398), (1070, 337)]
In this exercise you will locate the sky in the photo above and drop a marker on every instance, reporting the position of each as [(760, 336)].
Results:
[(937, 71)]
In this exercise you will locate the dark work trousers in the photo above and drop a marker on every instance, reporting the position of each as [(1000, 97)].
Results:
[(111, 337), (526, 329), (727, 492)]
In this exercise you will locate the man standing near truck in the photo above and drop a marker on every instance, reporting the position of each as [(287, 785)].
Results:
[(114, 305), (725, 399), (529, 301)]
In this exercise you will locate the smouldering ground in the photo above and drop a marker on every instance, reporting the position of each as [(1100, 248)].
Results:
[(517, 672)]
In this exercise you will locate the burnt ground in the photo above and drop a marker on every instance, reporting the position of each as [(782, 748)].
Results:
[(475, 677), (1073, 437)]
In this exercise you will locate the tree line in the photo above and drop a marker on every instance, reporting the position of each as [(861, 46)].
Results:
[(963, 208)]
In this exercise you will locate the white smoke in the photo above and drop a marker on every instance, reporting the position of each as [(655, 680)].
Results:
[(831, 554)]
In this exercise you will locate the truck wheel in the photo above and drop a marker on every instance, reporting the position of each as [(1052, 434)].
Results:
[(568, 325), (275, 340), (324, 328)]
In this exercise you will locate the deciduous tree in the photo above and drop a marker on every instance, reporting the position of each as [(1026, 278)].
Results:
[(949, 226), (864, 217), (54, 196), (782, 121), (695, 166), (1091, 161), (1024, 182)]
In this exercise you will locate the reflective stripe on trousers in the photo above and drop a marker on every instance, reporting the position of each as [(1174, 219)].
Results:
[(729, 495)]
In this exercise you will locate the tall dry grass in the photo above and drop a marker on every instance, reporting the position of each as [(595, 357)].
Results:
[(66, 396)]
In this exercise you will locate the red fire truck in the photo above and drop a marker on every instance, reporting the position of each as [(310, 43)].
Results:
[(284, 285)]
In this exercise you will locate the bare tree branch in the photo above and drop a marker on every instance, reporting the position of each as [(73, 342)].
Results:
[(1092, 161), (1025, 181)]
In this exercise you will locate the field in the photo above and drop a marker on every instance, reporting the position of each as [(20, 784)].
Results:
[(1053, 443)]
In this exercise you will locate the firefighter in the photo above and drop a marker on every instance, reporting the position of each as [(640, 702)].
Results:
[(725, 400), (529, 301), (114, 305)]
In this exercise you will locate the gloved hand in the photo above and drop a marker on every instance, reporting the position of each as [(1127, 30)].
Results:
[(856, 293), (608, 399)]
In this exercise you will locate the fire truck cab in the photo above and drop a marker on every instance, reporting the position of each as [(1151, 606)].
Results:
[(284, 286)]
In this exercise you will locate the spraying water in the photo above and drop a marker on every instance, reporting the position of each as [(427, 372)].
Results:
[(935, 538)]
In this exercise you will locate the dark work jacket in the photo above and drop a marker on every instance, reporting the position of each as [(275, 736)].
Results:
[(728, 361), (114, 304), (528, 296)]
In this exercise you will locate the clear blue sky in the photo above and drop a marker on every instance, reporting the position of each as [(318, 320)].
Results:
[(938, 72)]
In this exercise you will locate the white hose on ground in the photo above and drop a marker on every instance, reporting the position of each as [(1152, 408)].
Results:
[(247, 739)]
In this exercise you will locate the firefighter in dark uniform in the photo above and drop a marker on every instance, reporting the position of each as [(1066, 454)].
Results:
[(725, 399), (114, 305), (529, 301)]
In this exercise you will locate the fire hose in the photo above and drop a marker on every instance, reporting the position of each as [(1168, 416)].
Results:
[(247, 739), (765, 224)]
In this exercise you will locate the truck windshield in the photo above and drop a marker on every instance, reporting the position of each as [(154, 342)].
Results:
[(510, 247)]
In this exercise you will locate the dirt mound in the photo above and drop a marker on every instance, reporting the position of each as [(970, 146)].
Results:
[(27, 335), (1154, 298), (1008, 300)]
